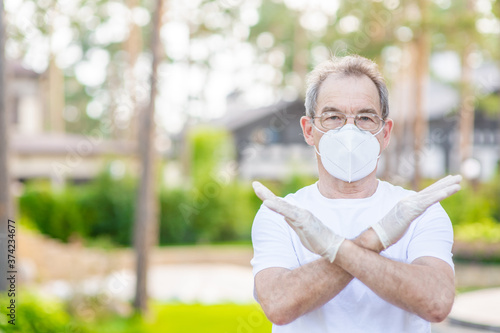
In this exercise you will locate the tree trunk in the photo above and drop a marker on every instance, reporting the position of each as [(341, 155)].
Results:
[(56, 97), (300, 52), (421, 70), (133, 47), (4, 173), (146, 216), (466, 122)]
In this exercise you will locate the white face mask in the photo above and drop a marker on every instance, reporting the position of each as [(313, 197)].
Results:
[(348, 153)]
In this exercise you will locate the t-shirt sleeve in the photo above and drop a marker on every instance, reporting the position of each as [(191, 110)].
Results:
[(432, 236), (272, 243)]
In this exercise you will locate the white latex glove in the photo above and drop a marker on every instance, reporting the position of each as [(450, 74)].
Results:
[(313, 234), (394, 225)]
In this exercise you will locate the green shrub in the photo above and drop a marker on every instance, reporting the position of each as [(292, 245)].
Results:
[(217, 207), (467, 206), (492, 194), (175, 209), (107, 206), (38, 315), (218, 212), (210, 148), (474, 212), (295, 182), (486, 230), (55, 213), (214, 211), (104, 207)]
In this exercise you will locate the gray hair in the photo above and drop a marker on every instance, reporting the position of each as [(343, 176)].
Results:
[(353, 65)]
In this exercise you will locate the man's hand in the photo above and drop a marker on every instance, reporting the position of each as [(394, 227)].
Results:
[(394, 225), (313, 234)]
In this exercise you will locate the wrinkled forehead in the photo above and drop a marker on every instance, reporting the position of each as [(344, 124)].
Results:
[(348, 94)]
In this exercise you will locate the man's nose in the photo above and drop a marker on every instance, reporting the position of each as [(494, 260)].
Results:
[(350, 120)]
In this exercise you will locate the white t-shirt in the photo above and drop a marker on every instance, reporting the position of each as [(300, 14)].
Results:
[(356, 308)]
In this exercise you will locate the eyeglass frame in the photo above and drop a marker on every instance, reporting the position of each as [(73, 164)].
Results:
[(350, 116)]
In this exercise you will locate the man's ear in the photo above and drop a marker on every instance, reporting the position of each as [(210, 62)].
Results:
[(387, 132), (307, 130)]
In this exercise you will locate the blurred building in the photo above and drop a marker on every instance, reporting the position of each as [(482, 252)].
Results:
[(37, 150), (269, 141)]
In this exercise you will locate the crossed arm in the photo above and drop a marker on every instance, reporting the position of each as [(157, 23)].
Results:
[(424, 287)]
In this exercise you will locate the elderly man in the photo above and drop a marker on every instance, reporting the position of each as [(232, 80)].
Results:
[(351, 253)]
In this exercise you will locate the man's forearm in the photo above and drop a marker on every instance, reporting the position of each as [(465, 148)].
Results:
[(426, 289), (288, 294)]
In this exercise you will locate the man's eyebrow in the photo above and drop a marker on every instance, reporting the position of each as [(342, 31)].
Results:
[(363, 110), (331, 108), (367, 110)]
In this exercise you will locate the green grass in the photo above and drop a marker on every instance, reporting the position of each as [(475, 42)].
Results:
[(36, 314), (177, 318)]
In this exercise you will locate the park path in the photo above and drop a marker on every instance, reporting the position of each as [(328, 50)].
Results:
[(44, 259)]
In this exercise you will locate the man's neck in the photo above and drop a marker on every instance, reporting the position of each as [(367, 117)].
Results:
[(333, 188)]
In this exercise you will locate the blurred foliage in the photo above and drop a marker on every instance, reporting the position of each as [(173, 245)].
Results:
[(490, 104), (104, 209), (496, 8), (172, 229), (108, 207), (216, 206), (295, 182), (37, 315), (485, 230), (55, 213), (475, 211), (210, 148)]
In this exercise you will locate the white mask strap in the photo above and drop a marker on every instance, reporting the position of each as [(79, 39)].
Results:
[(380, 130), (317, 152)]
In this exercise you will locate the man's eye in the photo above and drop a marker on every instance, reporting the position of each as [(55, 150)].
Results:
[(366, 119)]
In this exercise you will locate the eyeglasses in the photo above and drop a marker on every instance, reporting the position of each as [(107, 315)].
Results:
[(331, 120)]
